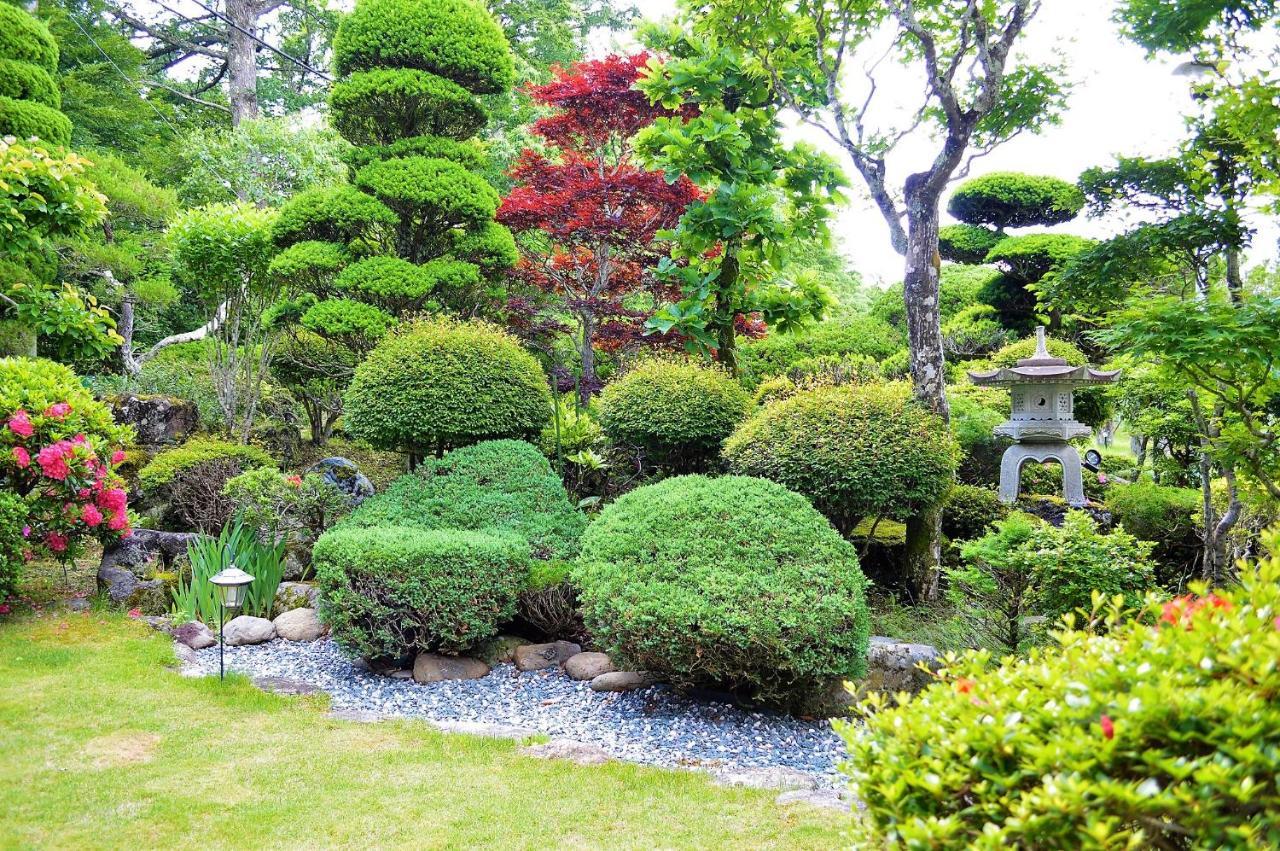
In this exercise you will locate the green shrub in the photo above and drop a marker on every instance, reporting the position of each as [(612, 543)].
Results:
[(1167, 516), (958, 288), (340, 214), (382, 106), (188, 482), (441, 384), (966, 243), (455, 39), (1160, 733), (678, 412), (172, 463), (974, 331), (820, 371), (730, 581), (465, 153), (498, 484), (572, 429), (25, 38), (776, 353), (196, 598), (548, 603), (24, 81), (13, 517), (26, 118), (969, 510), (1030, 257), (1008, 199), (854, 451), (430, 195), (33, 384), (391, 591)]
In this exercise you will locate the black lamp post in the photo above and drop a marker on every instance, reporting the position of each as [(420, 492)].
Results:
[(232, 586)]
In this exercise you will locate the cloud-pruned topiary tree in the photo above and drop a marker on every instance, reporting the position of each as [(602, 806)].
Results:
[(30, 100)]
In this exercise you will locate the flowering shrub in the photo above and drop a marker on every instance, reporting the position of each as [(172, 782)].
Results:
[(1162, 732), (285, 505), (58, 452)]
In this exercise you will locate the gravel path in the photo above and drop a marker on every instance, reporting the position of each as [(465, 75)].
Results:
[(651, 725)]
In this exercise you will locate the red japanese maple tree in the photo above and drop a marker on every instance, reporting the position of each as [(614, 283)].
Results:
[(587, 217)]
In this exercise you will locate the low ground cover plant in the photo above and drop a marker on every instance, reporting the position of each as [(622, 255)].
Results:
[(732, 581)]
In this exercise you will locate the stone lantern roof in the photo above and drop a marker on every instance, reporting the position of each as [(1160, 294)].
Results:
[(1043, 368)]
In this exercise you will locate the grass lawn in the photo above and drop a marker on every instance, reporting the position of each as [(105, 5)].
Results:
[(102, 746)]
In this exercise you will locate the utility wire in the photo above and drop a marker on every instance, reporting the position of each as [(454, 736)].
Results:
[(295, 60)]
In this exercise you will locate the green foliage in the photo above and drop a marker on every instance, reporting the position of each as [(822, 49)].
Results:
[(1031, 257), (454, 39), (969, 510), (974, 331), (1183, 26), (430, 197), (165, 467), (504, 485), (284, 507), (24, 81), (465, 153), (855, 452), (26, 119), (1013, 200), (401, 286), (25, 38), (1167, 516), (181, 371), (734, 582), (778, 352), (442, 384), (384, 106), (820, 371), (1118, 739), (344, 318), (309, 266), (959, 286), (394, 591), (195, 597), (573, 428), (678, 412), (223, 246), (339, 214), (13, 517), (34, 384), (966, 243)]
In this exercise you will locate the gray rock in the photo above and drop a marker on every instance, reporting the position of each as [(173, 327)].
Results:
[(296, 565), (285, 685), (160, 623), (588, 666), (829, 799), (126, 590), (158, 420), (195, 635), (894, 666), (434, 668), (146, 552), (492, 731), (78, 604), (772, 777), (297, 595), (346, 477), (186, 656), (622, 681), (247, 629), (535, 657), (574, 751), (499, 649), (299, 625)]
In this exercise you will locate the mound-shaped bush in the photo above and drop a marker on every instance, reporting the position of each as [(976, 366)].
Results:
[(24, 81), (188, 481), (678, 412), (969, 510), (854, 451), (442, 384), (777, 353), (966, 243), (25, 119), (336, 214), (499, 484), (392, 591), (25, 38), (732, 581), (1007, 199), (1166, 515), (1160, 732)]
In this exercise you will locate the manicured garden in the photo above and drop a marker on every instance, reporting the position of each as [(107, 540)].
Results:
[(465, 437)]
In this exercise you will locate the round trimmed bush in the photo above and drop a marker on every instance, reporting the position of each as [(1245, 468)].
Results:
[(442, 384), (346, 318), (24, 81), (465, 153), (341, 214), (966, 243), (678, 412), (969, 510), (25, 38), (380, 107), (189, 480), (854, 451), (1030, 257), (777, 353), (25, 119), (1007, 199), (392, 591), (456, 39), (432, 195), (730, 581)]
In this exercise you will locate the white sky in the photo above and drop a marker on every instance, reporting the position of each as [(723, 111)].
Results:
[(1122, 103)]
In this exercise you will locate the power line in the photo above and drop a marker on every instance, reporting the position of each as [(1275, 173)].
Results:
[(295, 60)]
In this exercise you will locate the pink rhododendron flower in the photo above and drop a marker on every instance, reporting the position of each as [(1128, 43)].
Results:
[(20, 424), (117, 457), (57, 410), (1102, 478), (80, 439), (118, 521), (21, 457), (296, 481), (91, 515), (83, 493), (135, 613), (4, 609), (114, 499), (56, 541), (1108, 727), (53, 460), (26, 531)]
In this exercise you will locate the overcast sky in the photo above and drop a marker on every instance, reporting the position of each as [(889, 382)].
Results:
[(1122, 103)]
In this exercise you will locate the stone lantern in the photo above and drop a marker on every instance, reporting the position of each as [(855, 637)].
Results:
[(1042, 422)]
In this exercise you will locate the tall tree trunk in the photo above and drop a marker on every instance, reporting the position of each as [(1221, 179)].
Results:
[(587, 354), (242, 66), (726, 331)]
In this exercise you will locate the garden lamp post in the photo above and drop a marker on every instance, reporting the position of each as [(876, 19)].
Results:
[(231, 584)]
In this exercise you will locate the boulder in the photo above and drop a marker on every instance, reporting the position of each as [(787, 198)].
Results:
[(346, 477), (285, 685), (299, 625), (246, 629), (126, 590), (574, 751), (146, 552), (434, 668), (894, 666), (184, 654), (296, 595), (297, 564), (194, 634), (622, 681), (157, 420), (588, 666), (535, 657), (499, 649)]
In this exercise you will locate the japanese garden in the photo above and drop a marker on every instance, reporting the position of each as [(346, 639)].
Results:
[(689, 423)]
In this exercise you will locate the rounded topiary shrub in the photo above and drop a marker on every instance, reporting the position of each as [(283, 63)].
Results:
[(442, 384), (392, 591), (731, 581), (186, 483), (678, 412), (854, 451), (969, 510), (25, 38), (1007, 199), (26, 119)]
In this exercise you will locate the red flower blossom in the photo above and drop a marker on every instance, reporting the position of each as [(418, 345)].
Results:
[(21, 457), (4, 609), (57, 410), (1181, 610), (56, 541), (114, 499), (117, 457), (1108, 727), (53, 460), (20, 424), (91, 515), (135, 613), (296, 481), (118, 521), (964, 685)]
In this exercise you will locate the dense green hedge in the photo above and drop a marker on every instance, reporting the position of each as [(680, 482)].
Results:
[(382, 106), (1158, 732), (499, 484), (966, 243), (391, 591), (24, 81), (338, 214), (25, 38), (25, 118), (442, 384), (678, 412), (1168, 516), (855, 451), (969, 510), (456, 39), (1007, 199), (775, 354), (163, 468), (729, 581)]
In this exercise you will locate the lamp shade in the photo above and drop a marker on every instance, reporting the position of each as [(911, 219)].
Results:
[(231, 586)]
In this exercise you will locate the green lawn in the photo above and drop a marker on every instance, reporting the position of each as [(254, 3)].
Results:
[(102, 746)]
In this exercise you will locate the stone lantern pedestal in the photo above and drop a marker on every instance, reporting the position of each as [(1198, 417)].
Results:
[(1042, 421)]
